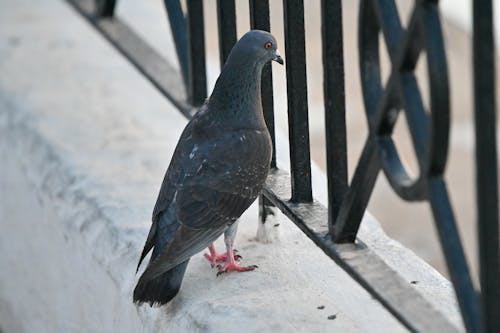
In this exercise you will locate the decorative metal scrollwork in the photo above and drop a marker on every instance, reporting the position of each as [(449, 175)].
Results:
[(429, 130), (429, 136)]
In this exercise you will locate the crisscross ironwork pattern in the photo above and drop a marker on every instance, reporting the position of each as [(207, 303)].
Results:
[(429, 132)]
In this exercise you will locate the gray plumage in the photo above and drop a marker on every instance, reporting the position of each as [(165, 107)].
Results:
[(217, 170)]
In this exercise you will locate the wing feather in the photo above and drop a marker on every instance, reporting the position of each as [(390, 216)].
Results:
[(213, 186), (198, 231)]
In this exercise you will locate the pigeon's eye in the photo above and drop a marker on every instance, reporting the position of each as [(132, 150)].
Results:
[(268, 45)]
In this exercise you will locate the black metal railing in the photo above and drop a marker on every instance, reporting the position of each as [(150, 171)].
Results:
[(486, 164), (334, 229)]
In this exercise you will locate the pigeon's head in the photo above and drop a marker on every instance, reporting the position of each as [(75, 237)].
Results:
[(259, 45)]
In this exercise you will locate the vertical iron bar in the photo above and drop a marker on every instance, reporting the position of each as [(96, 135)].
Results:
[(265, 208), (197, 92), (178, 28), (259, 19), (298, 124), (334, 95), (486, 164), (226, 19)]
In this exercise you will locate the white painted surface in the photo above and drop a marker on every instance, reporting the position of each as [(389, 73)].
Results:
[(84, 144)]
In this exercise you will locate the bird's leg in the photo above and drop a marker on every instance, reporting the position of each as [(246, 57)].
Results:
[(215, 257), (231, 265)]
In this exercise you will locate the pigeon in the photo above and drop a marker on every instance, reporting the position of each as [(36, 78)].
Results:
[(217, 171)]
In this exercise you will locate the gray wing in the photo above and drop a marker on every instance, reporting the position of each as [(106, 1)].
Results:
[(220, 184), (202, 222)]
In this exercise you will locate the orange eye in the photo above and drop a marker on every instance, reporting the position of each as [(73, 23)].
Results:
[(268, 45)]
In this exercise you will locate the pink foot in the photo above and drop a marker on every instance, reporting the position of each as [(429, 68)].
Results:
[(234, 267), (214, 257)]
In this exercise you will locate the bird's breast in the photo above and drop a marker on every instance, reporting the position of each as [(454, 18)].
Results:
[(252, 159)]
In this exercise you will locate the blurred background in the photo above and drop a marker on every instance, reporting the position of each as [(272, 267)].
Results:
[(410, 223)]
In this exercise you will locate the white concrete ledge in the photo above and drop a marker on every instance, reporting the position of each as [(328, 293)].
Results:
[(84, 143)]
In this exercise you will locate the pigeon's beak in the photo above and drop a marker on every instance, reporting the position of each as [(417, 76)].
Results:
[(278, 58)]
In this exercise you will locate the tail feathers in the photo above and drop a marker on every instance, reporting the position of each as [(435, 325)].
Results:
[(162, 289)]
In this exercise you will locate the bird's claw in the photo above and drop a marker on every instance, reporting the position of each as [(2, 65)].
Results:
[(214, 259), (234, 267)]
